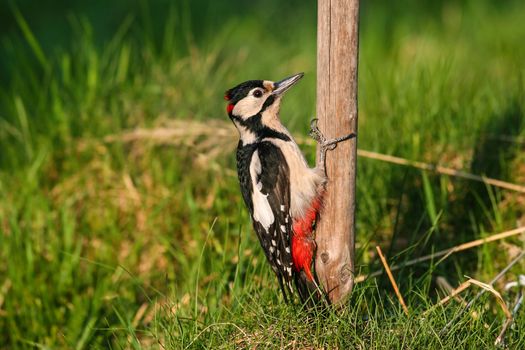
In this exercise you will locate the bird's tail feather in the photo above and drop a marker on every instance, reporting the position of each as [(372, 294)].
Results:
[(308, 289)]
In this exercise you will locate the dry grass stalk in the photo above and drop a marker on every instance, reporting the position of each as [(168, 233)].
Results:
[(445, 285), (3, 291), (442, 170), (136, 320), (176, 130), (500, 340), (497, 295), (447, 252), (188, 132), (447, 288), (491, 283), (455, 293), (392, 280), (489, 288), (139, 315), (486, 287)]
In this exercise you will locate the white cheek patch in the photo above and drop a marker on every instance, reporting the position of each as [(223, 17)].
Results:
[(248, 106), (262, 211)]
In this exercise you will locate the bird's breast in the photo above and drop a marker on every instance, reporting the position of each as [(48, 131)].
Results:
[(306, 183)]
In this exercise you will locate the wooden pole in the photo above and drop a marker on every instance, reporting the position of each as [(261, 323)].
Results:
[(337, 59)]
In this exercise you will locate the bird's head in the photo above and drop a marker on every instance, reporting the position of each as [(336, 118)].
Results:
[(253, 97)]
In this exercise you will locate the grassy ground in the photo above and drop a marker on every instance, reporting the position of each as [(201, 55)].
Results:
[(114, 240)]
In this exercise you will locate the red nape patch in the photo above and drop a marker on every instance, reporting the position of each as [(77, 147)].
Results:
[(229, 108), (227, 97)]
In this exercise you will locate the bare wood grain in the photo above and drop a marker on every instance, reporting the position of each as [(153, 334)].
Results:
[(337, 60)]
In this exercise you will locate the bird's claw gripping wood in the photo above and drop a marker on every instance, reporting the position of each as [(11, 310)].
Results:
[(326, 145)]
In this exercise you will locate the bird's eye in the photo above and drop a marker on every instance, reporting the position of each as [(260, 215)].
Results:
[(257, 93)]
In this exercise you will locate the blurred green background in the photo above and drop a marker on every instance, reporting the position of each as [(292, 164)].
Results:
[(121, 223)]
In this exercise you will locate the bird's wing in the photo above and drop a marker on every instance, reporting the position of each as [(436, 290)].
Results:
[(270, 199)]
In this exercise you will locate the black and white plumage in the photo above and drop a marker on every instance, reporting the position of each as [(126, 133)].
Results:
[(282, 193), (264, 179), (276, 182)]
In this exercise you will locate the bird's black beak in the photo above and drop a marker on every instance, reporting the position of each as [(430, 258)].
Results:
[(280, 87)]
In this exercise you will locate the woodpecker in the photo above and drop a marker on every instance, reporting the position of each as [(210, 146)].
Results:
[(282, 193)]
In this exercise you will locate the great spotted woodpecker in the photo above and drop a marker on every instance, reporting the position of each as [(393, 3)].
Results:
[(283, 194)]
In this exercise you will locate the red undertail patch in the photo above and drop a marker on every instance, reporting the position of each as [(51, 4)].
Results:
[(303, 245)]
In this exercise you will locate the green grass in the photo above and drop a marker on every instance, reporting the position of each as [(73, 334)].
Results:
[(146, 244)]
